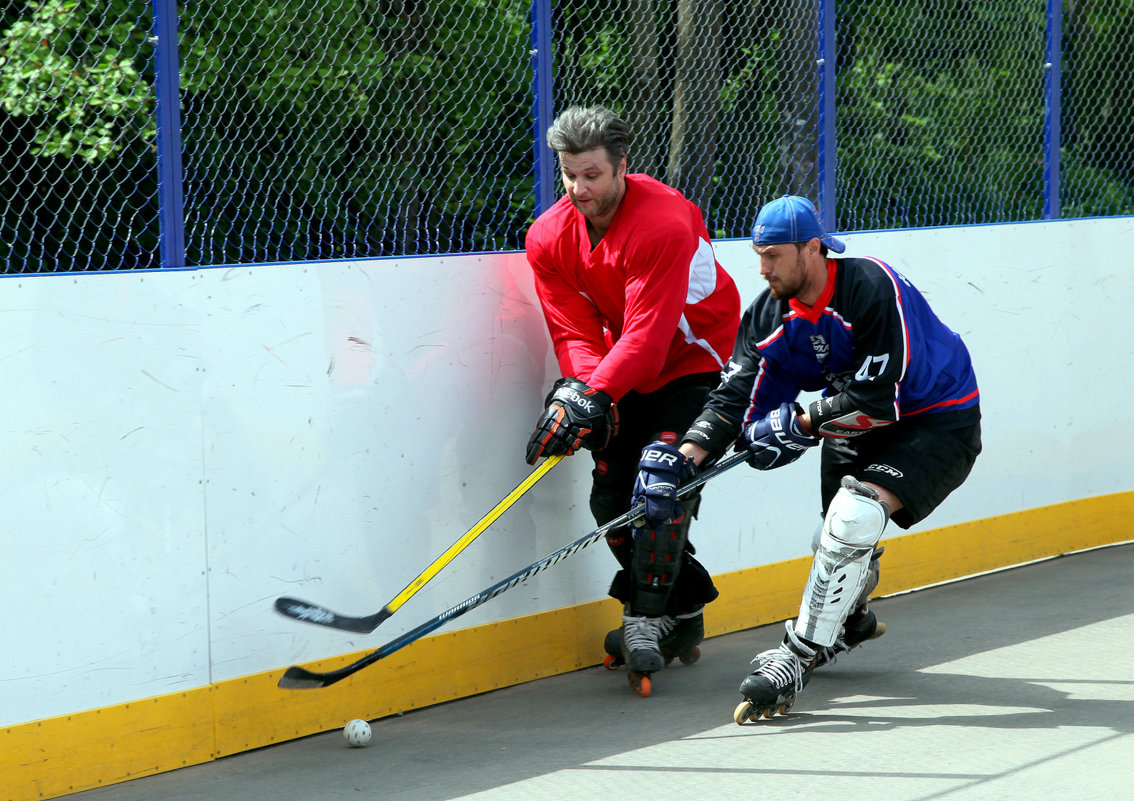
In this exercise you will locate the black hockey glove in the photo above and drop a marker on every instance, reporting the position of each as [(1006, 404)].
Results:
[(576, 415), (661, 471), (777, 439)]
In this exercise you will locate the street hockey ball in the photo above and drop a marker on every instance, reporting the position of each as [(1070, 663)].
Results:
[(357, 733)]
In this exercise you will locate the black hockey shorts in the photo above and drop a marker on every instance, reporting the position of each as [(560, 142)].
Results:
[(920, 462)]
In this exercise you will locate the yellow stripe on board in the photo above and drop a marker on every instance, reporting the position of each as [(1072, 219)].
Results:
[(61, 755)]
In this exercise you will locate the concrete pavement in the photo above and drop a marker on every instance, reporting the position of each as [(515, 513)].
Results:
[(1013, 685)]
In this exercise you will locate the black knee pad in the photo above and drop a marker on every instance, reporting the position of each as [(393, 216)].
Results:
[(635, 583), (658, 556)]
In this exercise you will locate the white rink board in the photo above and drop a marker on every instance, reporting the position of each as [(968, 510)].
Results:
[(184, 447), (104, 586)]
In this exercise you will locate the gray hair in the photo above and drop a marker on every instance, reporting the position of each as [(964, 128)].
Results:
[(580, 129)]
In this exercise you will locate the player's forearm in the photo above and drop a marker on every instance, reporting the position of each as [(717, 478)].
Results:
[(709, 437), (694, 452)]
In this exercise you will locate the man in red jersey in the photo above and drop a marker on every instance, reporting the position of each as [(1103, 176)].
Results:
[(642, 320)]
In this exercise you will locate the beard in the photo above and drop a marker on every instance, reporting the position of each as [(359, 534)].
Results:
[(785, 289), (601, 205)]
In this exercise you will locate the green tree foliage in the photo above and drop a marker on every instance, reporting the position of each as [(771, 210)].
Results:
[(629, 56), (346, 128), (72, 65), (316, 129), (1098, 115), (959, 126), (310, 130), (77, 164)]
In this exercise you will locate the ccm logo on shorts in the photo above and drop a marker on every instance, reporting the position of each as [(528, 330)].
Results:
[(885, 468)]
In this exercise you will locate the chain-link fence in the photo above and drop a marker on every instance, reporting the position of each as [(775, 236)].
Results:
[(723, 97), (322, 129), (78, 186), (340, 128)]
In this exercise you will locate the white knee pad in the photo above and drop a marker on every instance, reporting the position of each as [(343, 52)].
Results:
[(841, 567)]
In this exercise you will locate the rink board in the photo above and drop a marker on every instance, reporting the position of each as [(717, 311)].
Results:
[(65, 754), (186, 446)]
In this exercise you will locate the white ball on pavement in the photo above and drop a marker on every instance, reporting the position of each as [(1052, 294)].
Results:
[(357, 733)]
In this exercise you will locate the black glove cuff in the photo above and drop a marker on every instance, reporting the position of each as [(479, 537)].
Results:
[(711, 433), (837, 416)]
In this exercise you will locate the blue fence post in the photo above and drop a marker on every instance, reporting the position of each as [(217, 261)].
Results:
[(1053, 92), (542, 104), (171, 207), (826, 133)]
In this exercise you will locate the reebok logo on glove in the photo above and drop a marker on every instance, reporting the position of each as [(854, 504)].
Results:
[(582, 401)]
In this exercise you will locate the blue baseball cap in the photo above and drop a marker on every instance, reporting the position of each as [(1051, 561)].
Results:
[(791, 219)]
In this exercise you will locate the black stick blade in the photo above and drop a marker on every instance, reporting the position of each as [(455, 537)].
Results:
[(297, 678), (321, 616), (300, 678)]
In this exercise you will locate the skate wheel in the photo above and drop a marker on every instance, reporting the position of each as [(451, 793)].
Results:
[(611, 662), (742, 713), (641, 684), (691, 656)]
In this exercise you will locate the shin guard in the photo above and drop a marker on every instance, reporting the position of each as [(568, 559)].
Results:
[(842, 564), (658, 555)]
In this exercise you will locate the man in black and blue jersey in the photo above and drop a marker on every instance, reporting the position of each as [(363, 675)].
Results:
[(898, 421)]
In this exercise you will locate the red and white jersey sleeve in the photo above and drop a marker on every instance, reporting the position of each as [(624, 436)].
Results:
[(647, 305)]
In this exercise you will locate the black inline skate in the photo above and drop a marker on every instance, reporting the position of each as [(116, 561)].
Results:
[(677, 638), (780, 675), (783, 672)]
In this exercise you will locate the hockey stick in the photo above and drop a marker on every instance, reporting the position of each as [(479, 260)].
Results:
[(311, 613), (299, 678)]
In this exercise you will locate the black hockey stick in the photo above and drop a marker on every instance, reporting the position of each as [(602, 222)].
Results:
[(312, 613), (299, 678)]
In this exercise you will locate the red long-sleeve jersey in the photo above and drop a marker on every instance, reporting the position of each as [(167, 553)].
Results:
[(649, 304)]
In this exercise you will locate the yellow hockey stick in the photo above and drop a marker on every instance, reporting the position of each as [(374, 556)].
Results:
[(311, 613)]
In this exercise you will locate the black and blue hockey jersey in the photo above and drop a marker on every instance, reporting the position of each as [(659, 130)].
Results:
[(871, 343)]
